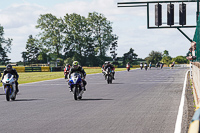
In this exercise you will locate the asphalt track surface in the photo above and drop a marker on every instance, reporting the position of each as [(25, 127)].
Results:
[(138, 101)]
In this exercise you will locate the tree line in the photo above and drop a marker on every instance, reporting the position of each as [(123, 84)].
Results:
[(73, 37)]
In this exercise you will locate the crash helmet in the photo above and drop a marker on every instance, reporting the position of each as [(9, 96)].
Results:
[(67, 65), (75, 64), (9, 67), (108, 62)]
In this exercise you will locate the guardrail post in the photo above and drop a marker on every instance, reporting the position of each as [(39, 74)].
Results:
[(190, 70)]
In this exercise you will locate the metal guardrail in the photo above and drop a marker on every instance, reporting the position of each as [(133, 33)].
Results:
[(32, 69), (194, 124)]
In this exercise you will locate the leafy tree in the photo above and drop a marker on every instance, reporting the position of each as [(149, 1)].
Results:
[(76, 35), (25, 57), (154, 57), (83, 39), (43, 57), (5, 47), (32, 48), (101, 32), (51, 36), (180, 60), (166, 59), (130, 57), (165, 53)]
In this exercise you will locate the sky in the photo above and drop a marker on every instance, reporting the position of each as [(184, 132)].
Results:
[(19, 18)]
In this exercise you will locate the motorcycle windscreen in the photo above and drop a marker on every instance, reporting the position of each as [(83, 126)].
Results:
[(8, 76)]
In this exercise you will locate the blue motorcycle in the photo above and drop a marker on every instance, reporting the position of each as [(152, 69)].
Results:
[(76, 85)]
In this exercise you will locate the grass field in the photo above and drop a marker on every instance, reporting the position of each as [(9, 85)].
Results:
[(28, 77)]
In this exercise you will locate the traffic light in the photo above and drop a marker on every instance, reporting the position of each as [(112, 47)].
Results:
[(182, 14), (170, 14), (158, 14)]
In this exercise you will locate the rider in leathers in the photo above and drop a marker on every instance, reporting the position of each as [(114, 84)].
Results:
[(12, 71), (66, 70), (77, 68), (112, 68)]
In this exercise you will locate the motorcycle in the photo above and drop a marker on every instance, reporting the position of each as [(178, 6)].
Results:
[(161, 66), (9, 86), (145, 66), (76, 85), (108, 75), (128, 67), (141, 66)]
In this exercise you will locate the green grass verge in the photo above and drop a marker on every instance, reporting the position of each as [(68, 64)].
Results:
[(28, 77)]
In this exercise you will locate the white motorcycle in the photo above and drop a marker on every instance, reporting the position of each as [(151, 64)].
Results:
[(76, 85), (9, 86)]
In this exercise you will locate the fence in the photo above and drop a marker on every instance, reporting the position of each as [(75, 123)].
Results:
[(35, 69)]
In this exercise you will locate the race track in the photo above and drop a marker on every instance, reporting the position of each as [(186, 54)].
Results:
[(138, 101)]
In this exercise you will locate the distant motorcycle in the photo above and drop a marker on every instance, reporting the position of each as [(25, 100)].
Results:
[(141, 66), (9, 86), (145, 66), (76, 85), (128, 67), (108, 75)]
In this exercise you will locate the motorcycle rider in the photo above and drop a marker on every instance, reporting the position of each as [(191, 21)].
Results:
[(161, 65), (103, 67), (66, 70), (173, 63), (12, 71), (128, 65), (112, 68), (150, 65), (145, 66), (77, 68), (141, 65)]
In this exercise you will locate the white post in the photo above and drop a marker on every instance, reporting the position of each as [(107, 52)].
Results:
[(190, 70)]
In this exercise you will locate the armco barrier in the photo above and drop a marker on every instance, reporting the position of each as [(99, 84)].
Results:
[(45, 69), (19, 68), (2, 69), (194, 125), (56, 69), (32, 69)]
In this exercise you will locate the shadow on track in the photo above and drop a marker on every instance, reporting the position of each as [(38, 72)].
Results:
[(117, 83), (26, 100), (96, 99)]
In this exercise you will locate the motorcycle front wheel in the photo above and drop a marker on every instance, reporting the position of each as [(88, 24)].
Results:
[(76, 93), (109, 79), (8, 93)]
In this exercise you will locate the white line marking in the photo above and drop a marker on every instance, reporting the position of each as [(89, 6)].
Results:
[(180, 111)]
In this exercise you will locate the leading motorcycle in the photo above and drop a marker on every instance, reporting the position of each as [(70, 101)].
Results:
[(76, 85), (108, 75), (9, 86)]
